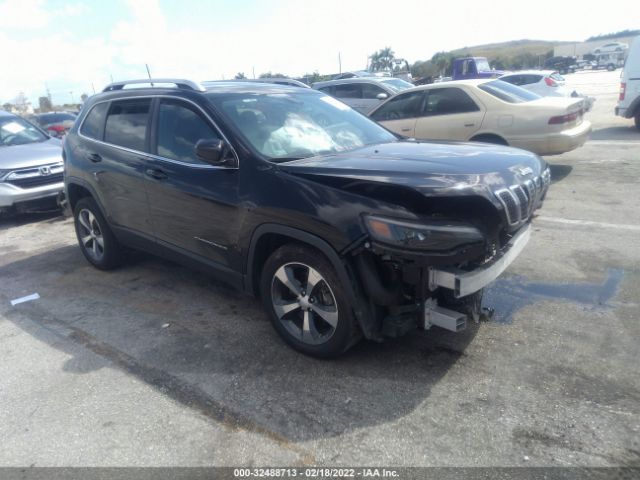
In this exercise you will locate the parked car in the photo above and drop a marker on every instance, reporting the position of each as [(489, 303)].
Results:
[(473, 67), (609, 61), (561, 64), (629, 98), (56, 124), (487, 111), (360, 74), (343, 229), (362, 94), (611, 47), (30, 166), (546, 83)]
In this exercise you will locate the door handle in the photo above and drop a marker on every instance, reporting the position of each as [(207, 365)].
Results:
[(406, 129), (469, 124), (94, 157), (156, 173)]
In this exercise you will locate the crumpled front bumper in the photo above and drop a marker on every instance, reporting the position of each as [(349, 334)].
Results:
[(465, 283)]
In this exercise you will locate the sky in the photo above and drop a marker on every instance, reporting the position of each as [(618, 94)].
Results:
[(75, 46)]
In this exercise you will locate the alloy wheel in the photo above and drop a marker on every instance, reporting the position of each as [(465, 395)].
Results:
[(90, 234), (304, 303)]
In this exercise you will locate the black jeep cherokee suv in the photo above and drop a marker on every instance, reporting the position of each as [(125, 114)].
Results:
[(343, 229)]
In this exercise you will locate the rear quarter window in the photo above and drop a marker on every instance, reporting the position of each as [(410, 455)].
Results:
[(93, 124)]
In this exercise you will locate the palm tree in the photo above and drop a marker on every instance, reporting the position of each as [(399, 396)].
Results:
[(382, 59)]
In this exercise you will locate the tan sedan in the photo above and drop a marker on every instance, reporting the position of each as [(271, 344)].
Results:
[(487, 111)]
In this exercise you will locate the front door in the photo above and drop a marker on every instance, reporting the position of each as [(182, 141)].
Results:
[(400, 113), (193, 204)]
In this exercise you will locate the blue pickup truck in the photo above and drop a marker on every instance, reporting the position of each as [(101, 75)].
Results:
[(473, 67)]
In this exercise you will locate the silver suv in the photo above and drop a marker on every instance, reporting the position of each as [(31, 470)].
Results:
[(31, 166), (363, 94)]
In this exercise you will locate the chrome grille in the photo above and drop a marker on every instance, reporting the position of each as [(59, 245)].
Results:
[(519, 201)]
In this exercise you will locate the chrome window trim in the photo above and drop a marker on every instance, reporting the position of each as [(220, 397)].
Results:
[(157, 157)]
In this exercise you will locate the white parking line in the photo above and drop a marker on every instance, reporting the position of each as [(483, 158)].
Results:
[(589, 223)]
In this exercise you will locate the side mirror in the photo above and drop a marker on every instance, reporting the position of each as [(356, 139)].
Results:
[(382, 96), (212, 151)]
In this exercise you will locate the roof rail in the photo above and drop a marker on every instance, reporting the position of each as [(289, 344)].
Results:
[(178, 82)]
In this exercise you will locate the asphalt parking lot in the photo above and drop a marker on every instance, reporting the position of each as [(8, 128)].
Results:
[(154, 364)]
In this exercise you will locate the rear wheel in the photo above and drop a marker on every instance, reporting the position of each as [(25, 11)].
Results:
[(637, 120), (97, 242), (495, 139), (306, 302)]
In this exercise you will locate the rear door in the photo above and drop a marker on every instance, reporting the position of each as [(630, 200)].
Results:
[(116, 152), (448, 114), (193, 204), (401, 112)]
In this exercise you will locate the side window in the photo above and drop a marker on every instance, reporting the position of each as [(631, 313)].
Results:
[(180, 127), (371, 91), (127, 123), (327, 90), (530, 79), (513, 79), (445, 101), (94, 121), (348, 90), (407, 105)]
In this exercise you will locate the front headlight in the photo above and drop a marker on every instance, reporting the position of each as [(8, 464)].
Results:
[(436, 235)]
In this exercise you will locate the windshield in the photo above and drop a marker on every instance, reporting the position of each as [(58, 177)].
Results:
[(508, 92), (285, 126), (396, 84), (17, 131), (482, 65)]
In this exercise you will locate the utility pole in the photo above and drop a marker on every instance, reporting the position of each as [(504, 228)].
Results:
[(93, 88), (254, 72), (339, 63), (72, 99)]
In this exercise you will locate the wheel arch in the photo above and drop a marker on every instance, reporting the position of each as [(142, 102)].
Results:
[(487, 136), (268, 237)]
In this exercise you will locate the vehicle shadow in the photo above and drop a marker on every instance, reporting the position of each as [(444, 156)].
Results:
[(559, 172), (19, 219), (626, 133), (214, 350)]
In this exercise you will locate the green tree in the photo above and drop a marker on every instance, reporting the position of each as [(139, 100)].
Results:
[(272, 75), (381, 60), (240, 76)]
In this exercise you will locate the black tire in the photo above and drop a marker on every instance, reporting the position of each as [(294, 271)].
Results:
[(106, 256), (495, 139), (637, 120), (327, 295)]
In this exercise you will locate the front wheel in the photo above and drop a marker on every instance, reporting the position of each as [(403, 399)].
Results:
[(637, 120), (307, 302)]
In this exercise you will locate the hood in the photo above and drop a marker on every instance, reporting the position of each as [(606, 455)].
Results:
[(31, 154), (452, 168)]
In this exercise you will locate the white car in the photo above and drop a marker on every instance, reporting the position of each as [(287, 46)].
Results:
[(546, 83), (487, 111), (611, 47), (629, 98)]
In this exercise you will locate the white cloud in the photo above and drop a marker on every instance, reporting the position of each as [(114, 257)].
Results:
[(292, 37), (23, 14)]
